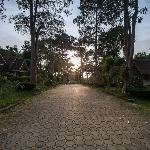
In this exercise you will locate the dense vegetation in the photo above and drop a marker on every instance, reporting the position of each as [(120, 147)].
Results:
[(107, 29), (42, 61)]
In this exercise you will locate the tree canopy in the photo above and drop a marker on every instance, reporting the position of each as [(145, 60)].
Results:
[(41, 19)]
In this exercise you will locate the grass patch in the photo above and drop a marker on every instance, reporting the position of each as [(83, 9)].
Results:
[(15, 97), (14, 91), (143, 103)]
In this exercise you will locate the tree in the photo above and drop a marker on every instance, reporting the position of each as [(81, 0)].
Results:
[(113, 13), (131, 11), (10, 52), (142, 55), (94, 17), (80, 52), (54, 53), (111, 42), (41, 19), (1, 7), (26, 50), (90, 23)]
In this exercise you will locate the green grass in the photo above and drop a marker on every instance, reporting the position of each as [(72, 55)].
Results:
[(145, 104), (142, 103), (11, 96), (15, 97)]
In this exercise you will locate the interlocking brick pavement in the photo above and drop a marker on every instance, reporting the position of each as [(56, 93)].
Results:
[(74, 117)]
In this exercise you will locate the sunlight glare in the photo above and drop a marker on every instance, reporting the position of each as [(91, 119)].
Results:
[(74, 59)]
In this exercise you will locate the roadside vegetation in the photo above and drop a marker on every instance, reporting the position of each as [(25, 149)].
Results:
[(42, 62), (105, 48), (142, 103), (53, 69), (111, 63)]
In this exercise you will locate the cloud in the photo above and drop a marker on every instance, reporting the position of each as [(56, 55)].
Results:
[(142, 46), (8, 35), (143, 35)]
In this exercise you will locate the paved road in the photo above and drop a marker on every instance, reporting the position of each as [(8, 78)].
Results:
[(74, 117)]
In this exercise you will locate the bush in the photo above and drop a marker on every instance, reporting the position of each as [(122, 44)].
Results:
[(48, 82), (25, 86), (139, 92), (3, 79), (24, 79), (6, 88), (101, 83), (142, 94)]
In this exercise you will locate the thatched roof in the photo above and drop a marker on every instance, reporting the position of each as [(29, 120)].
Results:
[(143, 66)]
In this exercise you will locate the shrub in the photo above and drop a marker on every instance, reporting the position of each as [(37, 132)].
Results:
[(6, 88), (48, 82), (24, 79), (140, 93), (119, 61), (3, 79), (25, 86)]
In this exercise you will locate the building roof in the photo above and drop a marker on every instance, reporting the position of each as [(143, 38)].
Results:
[(143, 66), (13, 65)]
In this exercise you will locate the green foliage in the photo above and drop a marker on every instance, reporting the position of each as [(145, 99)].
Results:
[(49, 82), (6, 88), (47, 19), (23, 79), (109, 61), (142, 55), (139, 100), (111, 71), (14, 97), (3, 79), (2, 9), (25, 86), (54, 53), (26, 50), (10, 52), (125, 74), (119, 61), (111, 42)]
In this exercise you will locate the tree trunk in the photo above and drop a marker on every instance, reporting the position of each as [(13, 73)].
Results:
[(33, 49), (36, 52), (95, 54), (134, 18), (126, 40), (126, 29), (96, 27), (129, 38), (81, 70)]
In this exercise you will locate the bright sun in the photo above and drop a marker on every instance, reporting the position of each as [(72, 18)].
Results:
[(73, 59)]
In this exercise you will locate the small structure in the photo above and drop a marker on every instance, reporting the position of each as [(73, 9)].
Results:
[(142, 70), (15, 67)]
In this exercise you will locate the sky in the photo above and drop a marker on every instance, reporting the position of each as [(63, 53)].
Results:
[(8, 35), (143, 30)]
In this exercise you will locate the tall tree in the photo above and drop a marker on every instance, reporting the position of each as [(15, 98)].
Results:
[(54, 54), (111, 42), (114, 13), (90, 23), (41, 19)]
